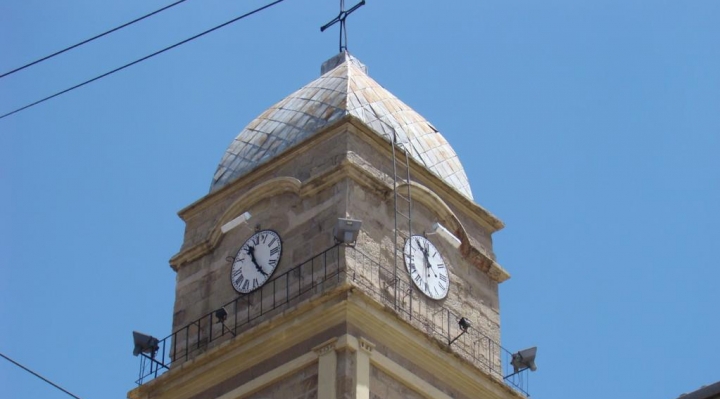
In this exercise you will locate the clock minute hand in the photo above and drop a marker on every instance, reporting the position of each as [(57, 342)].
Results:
[(426, 262), (251, 252), (426, 254)]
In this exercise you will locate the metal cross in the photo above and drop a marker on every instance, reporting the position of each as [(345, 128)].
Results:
[(341, 18)]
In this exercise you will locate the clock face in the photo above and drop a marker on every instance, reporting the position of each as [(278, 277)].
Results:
[(256, 261), (426, 267)]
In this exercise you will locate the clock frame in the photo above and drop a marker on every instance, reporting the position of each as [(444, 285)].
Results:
[(256, 261), (426, 267)]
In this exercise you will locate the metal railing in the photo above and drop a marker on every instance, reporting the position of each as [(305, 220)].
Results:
[(434, 319), (293, 286), (316, 275)]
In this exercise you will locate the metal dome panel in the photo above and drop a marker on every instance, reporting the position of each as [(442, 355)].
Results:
[(344, 88)]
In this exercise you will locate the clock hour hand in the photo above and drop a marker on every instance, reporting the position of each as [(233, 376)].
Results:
[(426, 262), (426, 254), (251, 252)]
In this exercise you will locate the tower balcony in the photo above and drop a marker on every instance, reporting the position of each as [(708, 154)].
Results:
[(338, 274)]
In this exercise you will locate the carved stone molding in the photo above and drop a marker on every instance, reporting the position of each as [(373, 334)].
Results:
[(326, 347), (366, 345)]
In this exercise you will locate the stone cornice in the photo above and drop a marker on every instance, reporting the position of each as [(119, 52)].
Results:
[(249, 348), (261, 172), (365, 345), (430, 180), (388, 329), (469, 248), (326, 346), (266, 189), (341, 306), (357, 126), (360, 171), (355, 169)]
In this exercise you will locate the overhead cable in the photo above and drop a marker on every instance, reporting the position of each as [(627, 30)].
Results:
[(39, 376), (90, 39), (142, 59)]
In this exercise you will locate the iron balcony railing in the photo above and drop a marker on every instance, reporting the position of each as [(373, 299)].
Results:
[(295, 285), (317, 275), (435, 319)]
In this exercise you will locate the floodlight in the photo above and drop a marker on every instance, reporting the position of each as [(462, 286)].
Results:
[(235, 222), (347, 230), (145, 344), (437, 228), (221, 314), (464, 326), (524, 359)]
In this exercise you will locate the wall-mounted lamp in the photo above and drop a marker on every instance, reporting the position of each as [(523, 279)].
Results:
[(437, 228), (523, 360), (235, 222), (346, 231), (221, 315), (464, 326)]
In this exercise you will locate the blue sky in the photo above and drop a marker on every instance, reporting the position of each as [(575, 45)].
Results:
[(591, 128)]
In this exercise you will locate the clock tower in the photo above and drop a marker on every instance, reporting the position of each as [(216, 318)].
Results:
[(338, 254)]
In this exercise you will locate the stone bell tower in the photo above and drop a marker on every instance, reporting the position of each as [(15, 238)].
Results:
[(282, 305)]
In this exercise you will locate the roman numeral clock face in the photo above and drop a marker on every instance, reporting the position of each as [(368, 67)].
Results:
[(426, 267), (256, 261)]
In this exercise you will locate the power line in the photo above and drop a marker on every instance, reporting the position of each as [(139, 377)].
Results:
[(39, 376), (143, 58), (91, 39)]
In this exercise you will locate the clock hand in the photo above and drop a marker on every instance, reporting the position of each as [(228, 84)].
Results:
[(426, 263), (419, 245), (426, 254), (251, 252)]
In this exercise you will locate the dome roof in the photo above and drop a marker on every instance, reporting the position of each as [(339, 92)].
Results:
[(344, 88)]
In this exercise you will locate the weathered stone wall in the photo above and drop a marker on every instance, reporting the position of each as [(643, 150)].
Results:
[(305, 223), (345, 374), (301, 385), (301, 163), (380, 164), (419, 370), (472, 293), (382, 386), (305, 226)]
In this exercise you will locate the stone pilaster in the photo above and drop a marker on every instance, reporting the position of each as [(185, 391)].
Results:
[(362, 368), (327, 369)]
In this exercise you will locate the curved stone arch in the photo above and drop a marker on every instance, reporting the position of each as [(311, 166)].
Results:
[(475, 255), (436, 204), (269, 188)]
